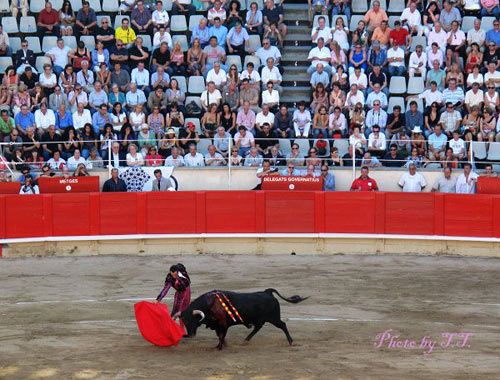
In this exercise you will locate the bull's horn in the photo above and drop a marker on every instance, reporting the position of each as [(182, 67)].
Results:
[(199, 312)]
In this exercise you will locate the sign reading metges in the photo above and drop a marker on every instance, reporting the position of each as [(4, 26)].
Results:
[(488, 185), (68, 185), (276, 182)]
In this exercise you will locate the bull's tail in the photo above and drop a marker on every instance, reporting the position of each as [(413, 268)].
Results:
[(292, 299)]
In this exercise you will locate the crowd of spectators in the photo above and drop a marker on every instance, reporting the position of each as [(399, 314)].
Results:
[(122, 102)]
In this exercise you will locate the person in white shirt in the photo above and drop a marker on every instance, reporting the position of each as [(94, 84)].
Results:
[(217, 75), (319, 54), (175, 159), (456, 39), (270, 73), (267, 51), (417, 63), (214, 158), (430, 95), (252, 75), (492, 76), (59, 56), (28, 187), (56, 162), (474, 97), (439, 36), (301, 121), (354, 97), (376, 94), (75, 160), (217, 11), (160, 17), (457, 145), (377, 143), (321, 31), (134, 158), (210, 96), (193, 158), (446, 183), (263, 117), (396, 60), (412, 20), (270, 96), (81, 117), (44, 117), (466, 182), (140, 77), (359, 78), (476, 35), (162, 35), (412, 181)]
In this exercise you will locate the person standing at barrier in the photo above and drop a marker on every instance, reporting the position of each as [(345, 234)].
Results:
[(114, 184), (446, 183), (178, 279), (466, 182), (364, 182), (328, 179), (412, 181), (161, 183)]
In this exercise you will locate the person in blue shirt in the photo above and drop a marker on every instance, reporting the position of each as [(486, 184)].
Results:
[(101, 118), (493, 35), (64, 118), (219, 31), (328, 179), (24, 119), (202, 32), (290, 170)]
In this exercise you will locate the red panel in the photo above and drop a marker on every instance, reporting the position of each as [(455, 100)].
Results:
[(69, 185), (23, 216), (10, 187), (290, 212), (95, 213), (260, 211), (496, 215), (468, 215), (70, 215), (380, 212), (439, 213), (409, 213), (350, 212), (141, 213), (230, 211), (201, 224), (2, 217), (319, 211), (487, 185), (171, 212), (118, 213)]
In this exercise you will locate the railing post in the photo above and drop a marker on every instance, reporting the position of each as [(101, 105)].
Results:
[(109, 158), (229, 162)]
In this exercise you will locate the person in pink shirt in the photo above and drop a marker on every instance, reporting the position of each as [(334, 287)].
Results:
[(489, 8)]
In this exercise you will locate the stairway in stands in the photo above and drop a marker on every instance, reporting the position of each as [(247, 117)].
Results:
[(296, 81)]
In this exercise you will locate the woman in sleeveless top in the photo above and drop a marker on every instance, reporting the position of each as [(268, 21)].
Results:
[(156, 122), (487, 126), (195, 58), (357, 58), (475, 57), (78, 55), (227, 119), (491, 98), (455, 74), (470, 125)]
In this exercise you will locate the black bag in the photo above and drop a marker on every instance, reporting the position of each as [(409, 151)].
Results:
[(192, 108)]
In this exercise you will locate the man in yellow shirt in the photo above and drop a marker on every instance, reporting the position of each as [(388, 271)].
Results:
[(125, 33)]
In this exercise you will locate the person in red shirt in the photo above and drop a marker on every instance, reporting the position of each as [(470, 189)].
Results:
[(364, 183), (48, 20), (400, 35)]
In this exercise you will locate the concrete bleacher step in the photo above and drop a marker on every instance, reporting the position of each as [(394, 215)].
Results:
[(295, 53)]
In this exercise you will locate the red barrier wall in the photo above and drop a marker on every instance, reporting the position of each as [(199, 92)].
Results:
[(249, 212)]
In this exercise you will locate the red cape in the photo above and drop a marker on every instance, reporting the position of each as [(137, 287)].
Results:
[(156, 325)]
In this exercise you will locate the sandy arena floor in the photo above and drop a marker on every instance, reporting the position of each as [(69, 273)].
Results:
[(73, 318)]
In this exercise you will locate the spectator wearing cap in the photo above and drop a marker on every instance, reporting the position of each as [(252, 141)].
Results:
[(48, 21), (376, 56), (412, 181), (474, 97), (219, 31), (188, 136), (319, 54), (364, 182)]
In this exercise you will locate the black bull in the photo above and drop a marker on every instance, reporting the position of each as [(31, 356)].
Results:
[(254, 308)]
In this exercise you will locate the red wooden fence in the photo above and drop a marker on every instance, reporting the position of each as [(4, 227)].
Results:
[(83, 214)]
